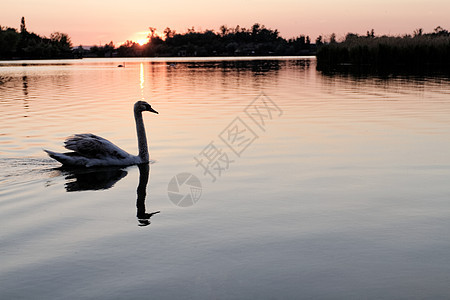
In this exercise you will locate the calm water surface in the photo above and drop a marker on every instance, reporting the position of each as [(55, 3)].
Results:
[(332, 187)]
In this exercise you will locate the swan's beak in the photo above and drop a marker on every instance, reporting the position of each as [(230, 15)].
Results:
[(153, 111)]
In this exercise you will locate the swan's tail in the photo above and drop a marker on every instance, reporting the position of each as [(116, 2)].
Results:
[(67, 159)]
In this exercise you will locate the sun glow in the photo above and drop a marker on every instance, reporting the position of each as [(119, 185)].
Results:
[(143, 37), (142, 41)]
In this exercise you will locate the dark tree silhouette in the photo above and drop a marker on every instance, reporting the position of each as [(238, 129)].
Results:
[(23, 28), (258, 40), (24, 44)]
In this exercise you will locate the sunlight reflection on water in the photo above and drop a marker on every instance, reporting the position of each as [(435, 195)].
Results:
[(345, 194)]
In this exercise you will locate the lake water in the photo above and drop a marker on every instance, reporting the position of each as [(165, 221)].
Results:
[(272, 181)]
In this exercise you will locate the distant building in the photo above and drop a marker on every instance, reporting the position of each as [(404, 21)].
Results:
[(82, 51)]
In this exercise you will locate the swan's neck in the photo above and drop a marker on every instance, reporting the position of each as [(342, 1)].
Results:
[(141, 137)]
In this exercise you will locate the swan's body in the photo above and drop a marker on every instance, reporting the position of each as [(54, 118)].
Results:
[(89, 150)]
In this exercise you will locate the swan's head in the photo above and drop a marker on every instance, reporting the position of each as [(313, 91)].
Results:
[(144, 106)]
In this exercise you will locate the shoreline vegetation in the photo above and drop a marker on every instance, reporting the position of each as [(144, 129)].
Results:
[(354, 53), (238, 41), (21, 44), (417, 53)]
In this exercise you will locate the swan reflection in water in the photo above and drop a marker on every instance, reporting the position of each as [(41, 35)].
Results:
[(91, 179), (142, 215)]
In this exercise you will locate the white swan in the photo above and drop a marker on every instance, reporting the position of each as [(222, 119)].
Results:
[(90, 150)]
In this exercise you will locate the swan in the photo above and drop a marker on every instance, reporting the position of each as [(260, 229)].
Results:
[(89, 150)]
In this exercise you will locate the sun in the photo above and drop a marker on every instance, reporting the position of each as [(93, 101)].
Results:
[(142, 37), (142, 41)]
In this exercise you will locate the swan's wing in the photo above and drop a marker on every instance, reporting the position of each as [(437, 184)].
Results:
[(93, 146)]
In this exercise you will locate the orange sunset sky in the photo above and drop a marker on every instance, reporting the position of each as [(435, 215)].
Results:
[(99, 21)]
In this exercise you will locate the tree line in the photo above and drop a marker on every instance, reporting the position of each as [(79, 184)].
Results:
[(417, 52), (227, 41), (29, 45)]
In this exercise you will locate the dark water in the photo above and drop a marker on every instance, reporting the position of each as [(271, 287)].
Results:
[(268, 180)]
